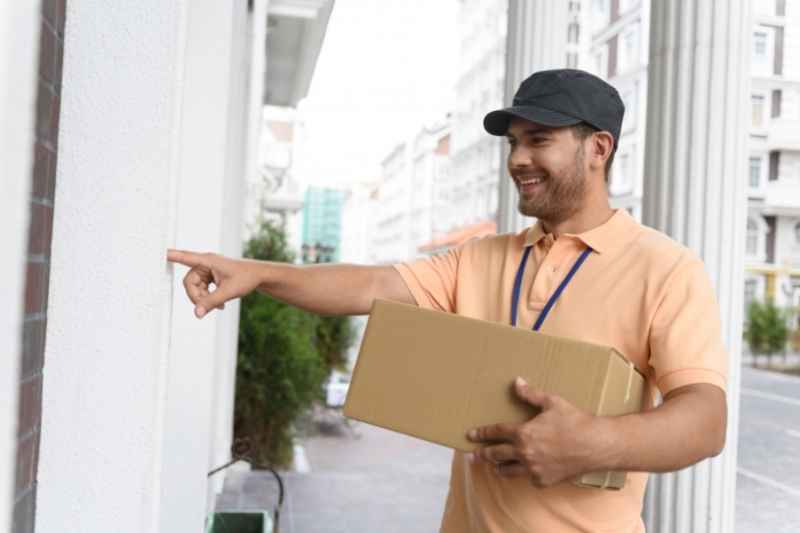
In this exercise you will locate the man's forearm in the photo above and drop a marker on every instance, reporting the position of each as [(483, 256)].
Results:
[(332, 289), (688, 427)]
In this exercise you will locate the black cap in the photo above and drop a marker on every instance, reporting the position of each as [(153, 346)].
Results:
[(562, 97)]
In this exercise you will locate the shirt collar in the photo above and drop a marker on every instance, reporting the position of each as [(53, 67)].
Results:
[(601, 238)]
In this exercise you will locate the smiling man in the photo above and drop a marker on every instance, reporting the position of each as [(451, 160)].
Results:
[(583, 271)]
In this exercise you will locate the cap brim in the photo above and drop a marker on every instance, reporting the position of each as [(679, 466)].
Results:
[(496, 122)]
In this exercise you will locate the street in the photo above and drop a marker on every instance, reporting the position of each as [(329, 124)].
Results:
[(370, 479), (768, 481)]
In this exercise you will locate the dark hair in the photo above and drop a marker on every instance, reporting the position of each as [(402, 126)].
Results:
[(581, 131)]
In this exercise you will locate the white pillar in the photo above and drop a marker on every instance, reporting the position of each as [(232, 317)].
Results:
[(536, 40), (19, 46), (695, 163), (143, 165)]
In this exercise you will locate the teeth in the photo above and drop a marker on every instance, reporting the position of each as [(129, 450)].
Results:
[(532, 181)]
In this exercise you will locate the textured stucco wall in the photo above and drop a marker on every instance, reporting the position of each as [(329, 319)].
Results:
[(202, 211), (18, 48), (110, 291)]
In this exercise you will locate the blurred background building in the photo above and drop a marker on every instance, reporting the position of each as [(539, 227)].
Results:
[(322, 225), (618, 52)]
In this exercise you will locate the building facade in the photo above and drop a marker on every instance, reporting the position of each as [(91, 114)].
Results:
[(273, 192), (619, 53), (411, 201), (322, 225), (471, 193), (772, 246)]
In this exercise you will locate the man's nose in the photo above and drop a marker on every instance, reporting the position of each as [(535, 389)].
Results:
[(518, 158)]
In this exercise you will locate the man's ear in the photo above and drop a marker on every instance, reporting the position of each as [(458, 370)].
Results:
[(602, 148)]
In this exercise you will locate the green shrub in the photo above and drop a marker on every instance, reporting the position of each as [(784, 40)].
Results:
[(284, 357), (766, 331)]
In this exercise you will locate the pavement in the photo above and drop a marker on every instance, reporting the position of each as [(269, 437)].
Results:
[(360, 478)]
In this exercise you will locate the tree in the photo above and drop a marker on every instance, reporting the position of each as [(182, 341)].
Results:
[(766, 331), (284, 357)]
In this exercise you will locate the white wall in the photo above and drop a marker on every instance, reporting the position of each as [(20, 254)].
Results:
[(137, 393), (19, 44), (109, 304)]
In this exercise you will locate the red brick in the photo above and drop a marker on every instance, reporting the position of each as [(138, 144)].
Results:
[(50, 11), (35, 288), (24, 513), (55, 119), (61, 14), (40, 229), (33, 344), (41, 172), (44, 109), (30, 405), (26, 463), (47, 53)]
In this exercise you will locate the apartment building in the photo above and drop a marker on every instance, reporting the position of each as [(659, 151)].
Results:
[(618, 52)]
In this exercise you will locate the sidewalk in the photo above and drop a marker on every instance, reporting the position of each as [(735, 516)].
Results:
[(373, 480)]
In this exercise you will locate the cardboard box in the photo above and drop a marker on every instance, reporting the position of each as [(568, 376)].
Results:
[(436, 375)]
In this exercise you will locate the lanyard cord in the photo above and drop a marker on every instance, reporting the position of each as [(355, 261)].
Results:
[(551, 302)]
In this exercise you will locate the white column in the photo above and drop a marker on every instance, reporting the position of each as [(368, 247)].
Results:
[(143, 162), (695, 163), (19, 46), (536, 40)]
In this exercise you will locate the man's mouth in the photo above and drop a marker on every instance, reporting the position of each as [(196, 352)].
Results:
[(529, 184)]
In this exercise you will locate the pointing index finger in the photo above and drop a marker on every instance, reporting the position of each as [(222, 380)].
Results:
[(183, 257)]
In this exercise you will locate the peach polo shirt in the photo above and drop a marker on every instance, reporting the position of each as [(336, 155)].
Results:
[(639, 291)]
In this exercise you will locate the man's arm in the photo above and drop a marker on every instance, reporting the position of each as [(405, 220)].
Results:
[(688, 427), (563, 441), (331, 289)]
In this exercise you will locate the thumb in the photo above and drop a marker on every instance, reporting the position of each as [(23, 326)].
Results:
[(215, 300), (530, 396)]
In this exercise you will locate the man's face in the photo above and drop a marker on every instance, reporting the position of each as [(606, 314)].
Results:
[(547, 166)]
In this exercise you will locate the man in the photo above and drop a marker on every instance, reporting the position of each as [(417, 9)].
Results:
[(624, 285)]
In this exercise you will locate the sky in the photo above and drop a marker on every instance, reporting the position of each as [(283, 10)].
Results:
[(386, 68)]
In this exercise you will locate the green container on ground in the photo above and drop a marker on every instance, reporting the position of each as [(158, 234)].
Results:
[(239, 523)]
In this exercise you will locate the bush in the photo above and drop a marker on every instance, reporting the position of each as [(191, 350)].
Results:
[(284, 357), (766, 331)]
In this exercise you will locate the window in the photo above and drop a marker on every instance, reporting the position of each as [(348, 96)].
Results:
[(759, 45), (600, 14), (750, 288), (573, 32), (778, 56), (629, 101), (762, 51), (777, 96), (751, 245), (572, 60), (757, 103), (621, 177), (780, 8), (629, 55), (755, 172), (774, 165)]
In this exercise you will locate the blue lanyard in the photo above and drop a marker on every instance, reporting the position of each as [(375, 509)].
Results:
[(551, 302)]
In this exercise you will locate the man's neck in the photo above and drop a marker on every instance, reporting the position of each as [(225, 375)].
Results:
[(582, 221)]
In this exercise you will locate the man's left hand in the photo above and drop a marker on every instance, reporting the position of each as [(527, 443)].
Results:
[(559, 443)]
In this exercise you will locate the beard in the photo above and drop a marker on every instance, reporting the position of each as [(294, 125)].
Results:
[(562, 194)]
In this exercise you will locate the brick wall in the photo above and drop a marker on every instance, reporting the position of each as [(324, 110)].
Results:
[(38, 261)]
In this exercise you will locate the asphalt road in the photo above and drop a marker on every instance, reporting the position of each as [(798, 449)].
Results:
[(768, 481)]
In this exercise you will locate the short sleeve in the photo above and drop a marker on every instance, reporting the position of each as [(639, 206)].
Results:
[(685, 334), (432, 280)]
